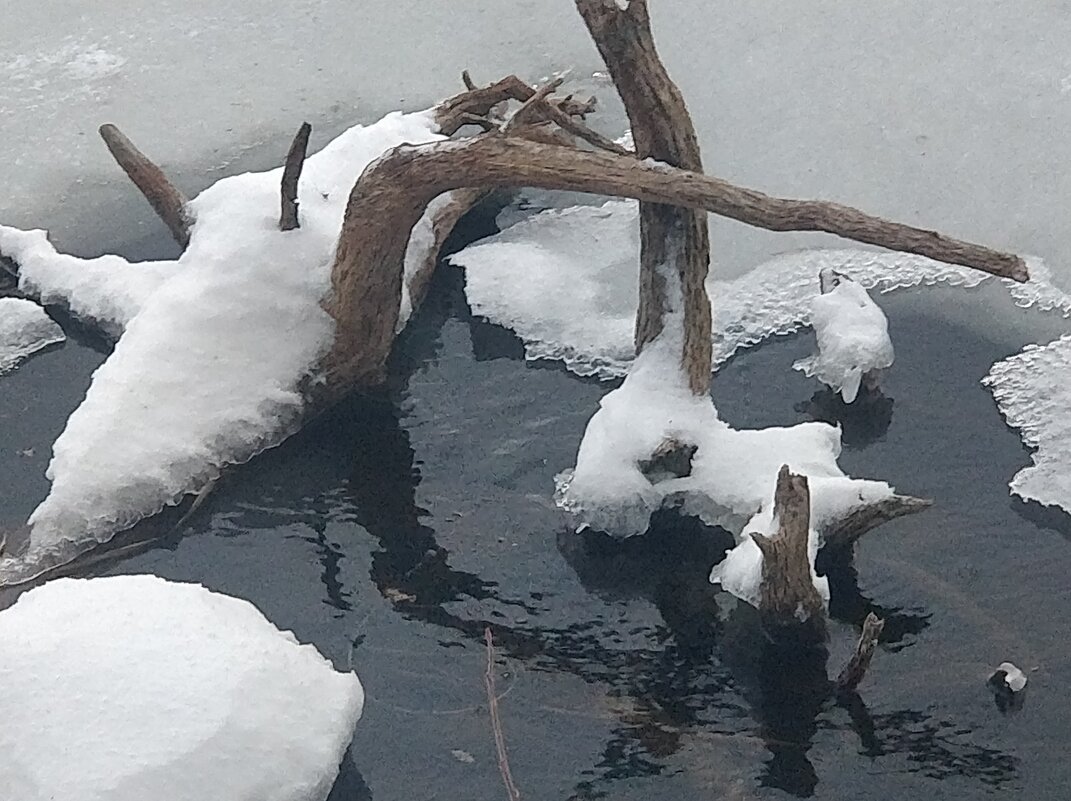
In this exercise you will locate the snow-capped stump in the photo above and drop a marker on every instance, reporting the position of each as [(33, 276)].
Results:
[(853, 337), (132, 687), (24, 330), (1008, 683)]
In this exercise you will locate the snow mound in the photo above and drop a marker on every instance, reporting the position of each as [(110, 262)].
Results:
[(594, 250), (852, 334), (132, 687), (1031, 388), (733, 473), (24, 330), (209, 369), (105, 292)]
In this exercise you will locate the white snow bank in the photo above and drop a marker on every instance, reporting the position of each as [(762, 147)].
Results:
[(24, 330), (594, 251), (209, 368), (106, 292), (131, 688), (1034, 394), (852, 334)]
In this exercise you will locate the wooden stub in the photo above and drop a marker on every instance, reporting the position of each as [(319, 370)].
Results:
[(295, 160), (671, 237), (167, 201), (788, 597), (857, 666)]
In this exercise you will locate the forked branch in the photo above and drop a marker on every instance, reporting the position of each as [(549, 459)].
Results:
[(167, 201)]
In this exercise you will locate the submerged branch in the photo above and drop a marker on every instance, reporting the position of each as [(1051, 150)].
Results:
[(167, 201), (295, 160)]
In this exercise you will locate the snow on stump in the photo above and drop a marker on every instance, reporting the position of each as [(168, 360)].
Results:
[(853, 338), (132, 687)]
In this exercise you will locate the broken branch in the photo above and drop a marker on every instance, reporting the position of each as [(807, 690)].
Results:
[(846, 530), (167, 201), (853, 673), (295, 160)]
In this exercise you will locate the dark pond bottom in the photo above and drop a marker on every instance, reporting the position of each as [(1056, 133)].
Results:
[(393, 531)]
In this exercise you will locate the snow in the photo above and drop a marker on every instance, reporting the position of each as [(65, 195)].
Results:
[(1033, 393), (594, 250), (852, 334), (133, 687), (24, 330), (1014, 678), (208, 370)]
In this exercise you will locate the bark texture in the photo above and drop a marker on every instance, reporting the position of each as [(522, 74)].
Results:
[(672, 238), (857, 666), (788, 595), (167, 201)]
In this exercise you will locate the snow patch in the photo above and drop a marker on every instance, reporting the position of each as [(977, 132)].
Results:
[(1032, 390), (132, 687), (1040, 292), (24, 330), (852, 334)]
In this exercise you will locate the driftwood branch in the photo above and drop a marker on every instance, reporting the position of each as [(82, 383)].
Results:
[(394, 191), (295, 160), (857, 666), (845, 531), (672, 238), (478, 101), (167, 201), (496, 723), (787, 594)]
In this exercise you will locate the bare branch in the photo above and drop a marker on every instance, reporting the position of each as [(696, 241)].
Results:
[(857, 666), (496, 723), (295, 160), (529, 107), (582, 131), (167, 201), (846, 530), (467, 80), (479, 101)]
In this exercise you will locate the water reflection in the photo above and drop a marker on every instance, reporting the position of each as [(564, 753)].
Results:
[(863, 422)]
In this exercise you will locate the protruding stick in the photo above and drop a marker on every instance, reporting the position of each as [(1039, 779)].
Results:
[(295, 160), (167, 201), (496, 723), (856, 668)]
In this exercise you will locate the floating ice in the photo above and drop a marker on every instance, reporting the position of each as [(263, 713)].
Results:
[(594, 250), (216, 344), (24, 330), (1032, 390), (1039, 292), (131, 688), (852, 333)]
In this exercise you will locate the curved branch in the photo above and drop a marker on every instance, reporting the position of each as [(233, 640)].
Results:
[(394, 191), (295, 160), (167, 201), (845, 531)]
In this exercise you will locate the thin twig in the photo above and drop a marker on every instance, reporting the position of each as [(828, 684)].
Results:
[(552, 111), (467, 80), (531, 105), (496, 723)]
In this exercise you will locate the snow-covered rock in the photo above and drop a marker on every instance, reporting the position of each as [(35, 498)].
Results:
[(852, 333), (214, 346), (131, 688), (24, 330)]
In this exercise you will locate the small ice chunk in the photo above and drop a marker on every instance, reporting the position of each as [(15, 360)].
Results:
[(132, 687), (1033, 393), (1040, 292), (24, 330), (1013, 678), (852, 333)]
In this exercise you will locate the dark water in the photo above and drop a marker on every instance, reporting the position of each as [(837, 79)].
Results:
[(393, 531)]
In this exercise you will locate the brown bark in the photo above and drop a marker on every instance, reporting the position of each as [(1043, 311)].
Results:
[(845, 531), (857, 666), (167, 201), (479, 101), (671, 238), (295, 160), (393, 192), (787, 594)]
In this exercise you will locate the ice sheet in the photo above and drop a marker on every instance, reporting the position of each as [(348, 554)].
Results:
[(24, 330)]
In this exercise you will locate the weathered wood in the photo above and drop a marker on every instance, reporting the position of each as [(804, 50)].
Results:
[(672, 238), (295, 160), (787, 593), (167, 201), (857, 666), (394, 190), (478, 101), (844, 532)]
